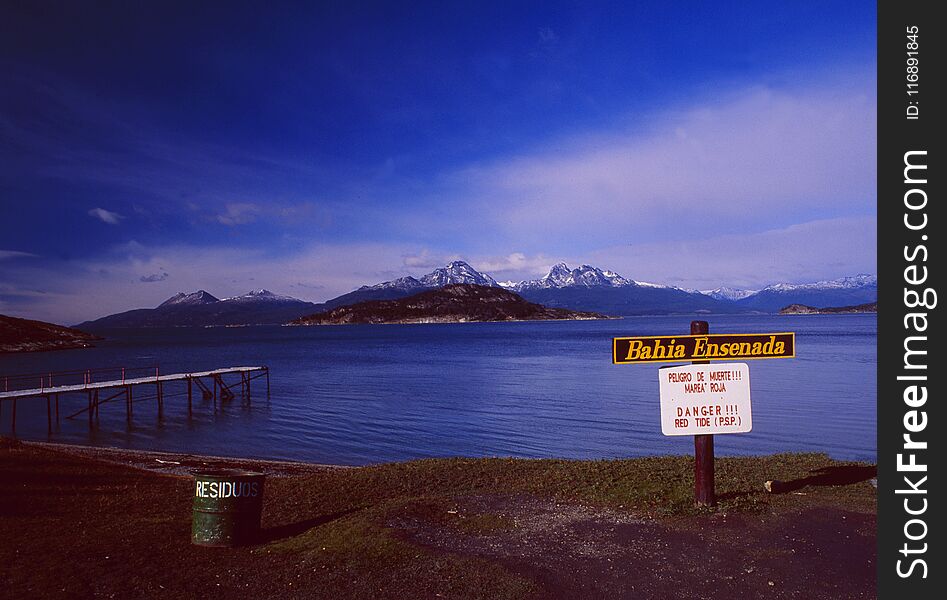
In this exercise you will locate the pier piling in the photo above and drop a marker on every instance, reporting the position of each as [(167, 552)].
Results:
[(124, 387)]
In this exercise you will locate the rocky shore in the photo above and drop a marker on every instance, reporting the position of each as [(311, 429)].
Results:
[(803, 309), (24, 335)]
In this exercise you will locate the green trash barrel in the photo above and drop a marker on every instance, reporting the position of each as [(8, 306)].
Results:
[(227, 507)]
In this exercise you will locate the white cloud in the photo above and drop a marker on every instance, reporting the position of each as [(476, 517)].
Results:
[(516, 265), (747, 159), (10, 254), (77, 291), (239, 213), (812, 251), (106, 216), (81, 290), (743, 187), (423, 260), (547, 35)]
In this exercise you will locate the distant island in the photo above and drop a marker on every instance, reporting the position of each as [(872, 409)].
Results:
[(455, 303), (802, 309), (24, 335)]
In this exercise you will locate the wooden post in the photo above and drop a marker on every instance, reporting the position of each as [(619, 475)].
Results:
[(89, 398), (95, 402), (160, 400), (703, 446), (189, 397), (57, 409), (14, 415), (49, 416)]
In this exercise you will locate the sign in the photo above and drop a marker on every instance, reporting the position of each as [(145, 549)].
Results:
[(705, 399), (679, 348)]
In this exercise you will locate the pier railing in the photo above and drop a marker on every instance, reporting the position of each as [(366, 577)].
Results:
[(49, 379), (101, 386)]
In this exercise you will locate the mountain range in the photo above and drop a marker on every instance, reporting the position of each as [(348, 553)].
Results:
[(584, 288), (451, 303), (200, 308)]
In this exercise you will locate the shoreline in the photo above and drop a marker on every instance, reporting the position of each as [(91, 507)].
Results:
[(182, 463), (150, 460), (448, 322), (176, 463), (607, 318)]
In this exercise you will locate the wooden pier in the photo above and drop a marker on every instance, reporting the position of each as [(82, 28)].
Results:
[(210, 384)]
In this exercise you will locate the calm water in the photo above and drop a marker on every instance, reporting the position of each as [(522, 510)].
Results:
[(365, 394)]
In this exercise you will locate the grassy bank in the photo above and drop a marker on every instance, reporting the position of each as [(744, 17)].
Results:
[(460, 528)]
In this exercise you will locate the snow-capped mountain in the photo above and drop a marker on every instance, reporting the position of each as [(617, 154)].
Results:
[(591, 288), (402, 283), (728, 293), (561, 276), (201, 309), (843, 283), (261, 295), (456, 272), (189, 299), (583, 288), (845, 291)]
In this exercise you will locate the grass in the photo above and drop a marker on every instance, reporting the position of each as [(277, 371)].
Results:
[(653, 486), (428, 490), (330, 533)]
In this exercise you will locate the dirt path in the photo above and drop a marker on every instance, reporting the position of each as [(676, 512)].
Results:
[(579, 551)]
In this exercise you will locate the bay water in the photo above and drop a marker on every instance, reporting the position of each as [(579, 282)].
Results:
[(362, 394)]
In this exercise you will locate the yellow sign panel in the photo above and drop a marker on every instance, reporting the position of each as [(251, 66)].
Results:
[(682, 348)]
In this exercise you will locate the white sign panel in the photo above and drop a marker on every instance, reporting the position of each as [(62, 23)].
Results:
[(705, 399)]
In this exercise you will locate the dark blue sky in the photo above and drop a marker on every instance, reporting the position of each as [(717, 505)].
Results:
[(310, 147)]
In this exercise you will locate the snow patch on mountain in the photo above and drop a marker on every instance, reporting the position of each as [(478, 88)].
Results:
[(842, 283), (561, 276), (402, 283), (648, 284), (261, 295), (728, 293), (189, 299), (457, 272)]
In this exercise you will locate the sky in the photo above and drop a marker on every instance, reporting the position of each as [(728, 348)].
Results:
[(310, 148)]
